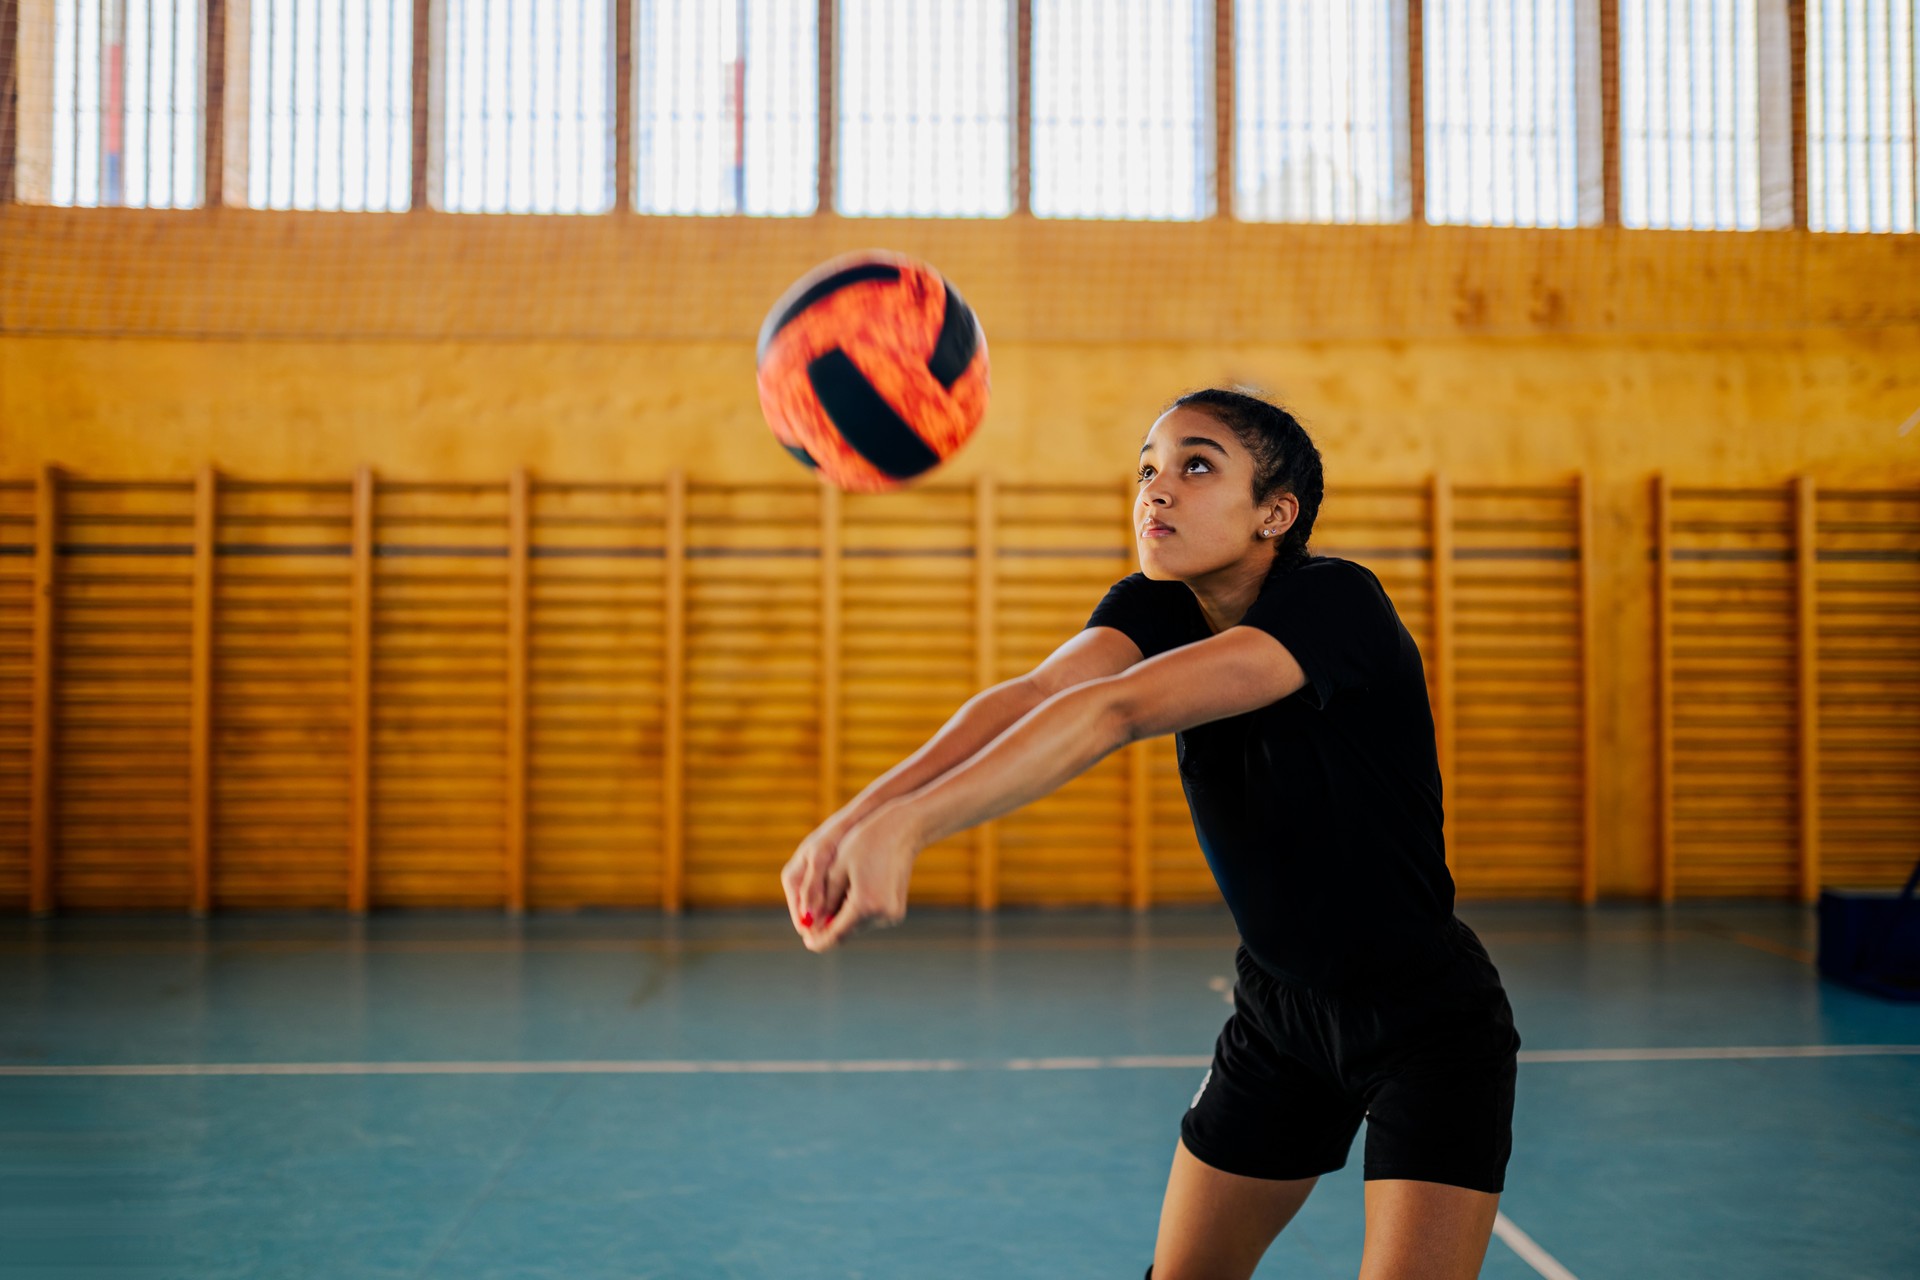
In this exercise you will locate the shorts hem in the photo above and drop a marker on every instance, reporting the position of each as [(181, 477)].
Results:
[(1213, 1160), (1376, 1173)]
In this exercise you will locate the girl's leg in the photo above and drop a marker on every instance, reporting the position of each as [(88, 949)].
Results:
[(1216, 1225), (1424, 1230)]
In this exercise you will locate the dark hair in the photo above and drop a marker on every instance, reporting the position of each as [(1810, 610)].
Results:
[(1284, 459)]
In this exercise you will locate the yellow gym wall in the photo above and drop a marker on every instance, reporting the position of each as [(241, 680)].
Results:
[(148, 344)]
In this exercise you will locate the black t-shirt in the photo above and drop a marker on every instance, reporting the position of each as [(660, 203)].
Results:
[(1320, 814)]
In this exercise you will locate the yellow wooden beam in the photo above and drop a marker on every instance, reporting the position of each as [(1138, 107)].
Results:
[(41, 830), (673, 793), (360, 698), (1663, 681), (206, 504), (1807, 599), (519, 523)]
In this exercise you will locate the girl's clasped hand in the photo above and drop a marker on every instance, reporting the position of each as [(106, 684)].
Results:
[(848, 877)]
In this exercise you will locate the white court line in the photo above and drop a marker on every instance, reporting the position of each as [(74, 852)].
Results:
[(1711, 1054), (1530, 1253), (788, 1066)]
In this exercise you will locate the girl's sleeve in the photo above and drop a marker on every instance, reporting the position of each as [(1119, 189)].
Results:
[(1336, 621), (1129, 608)]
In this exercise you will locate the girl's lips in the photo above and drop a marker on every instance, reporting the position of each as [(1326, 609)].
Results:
[(1158, 532)]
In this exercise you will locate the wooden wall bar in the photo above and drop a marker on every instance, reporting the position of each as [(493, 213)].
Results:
[(673, 853), (1734, 659), (45, 688), (518, 520), (1867, 631), (535, 694), (599, 646), (1807, 671), (200, 741), (1513, 665), (1788, 622), (360, 696), (1663, 682), (1589, 701)]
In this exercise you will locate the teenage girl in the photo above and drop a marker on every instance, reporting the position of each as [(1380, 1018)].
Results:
[(1305, 740)]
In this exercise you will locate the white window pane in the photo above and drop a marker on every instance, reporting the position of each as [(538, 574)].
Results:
[(1314, 117), (523, 78), (1122, 108), (126, 103), (925, 108), (329, 104), (726, 116), (1689, 114), (1501, 116), (1861, 115)]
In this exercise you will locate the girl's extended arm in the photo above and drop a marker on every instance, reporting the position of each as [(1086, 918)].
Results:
[(1238, 670), (1088, 655), (1094, 653)]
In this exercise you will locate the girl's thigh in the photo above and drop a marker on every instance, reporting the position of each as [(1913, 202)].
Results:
[(1216, 1225)]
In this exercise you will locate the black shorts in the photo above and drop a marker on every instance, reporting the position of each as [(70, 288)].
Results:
[(1430, 1068)]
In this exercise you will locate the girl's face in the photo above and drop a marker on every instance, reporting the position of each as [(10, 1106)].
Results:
[(1196, 479)]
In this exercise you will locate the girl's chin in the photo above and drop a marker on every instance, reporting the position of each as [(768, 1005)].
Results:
[(1156, 561)]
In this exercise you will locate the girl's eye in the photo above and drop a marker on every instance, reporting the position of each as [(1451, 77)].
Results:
[(1190, 461)]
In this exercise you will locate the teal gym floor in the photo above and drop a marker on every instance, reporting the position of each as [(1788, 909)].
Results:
[(591, 1096)]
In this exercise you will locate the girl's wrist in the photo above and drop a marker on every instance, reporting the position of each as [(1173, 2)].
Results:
[(899, 819)]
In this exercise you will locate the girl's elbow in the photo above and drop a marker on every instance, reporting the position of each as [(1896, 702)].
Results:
[(1120, 719)]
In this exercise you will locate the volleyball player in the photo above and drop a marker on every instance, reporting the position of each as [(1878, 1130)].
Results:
[(1306, 749)]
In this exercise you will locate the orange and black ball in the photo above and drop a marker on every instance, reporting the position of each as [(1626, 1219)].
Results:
[(872, 370)]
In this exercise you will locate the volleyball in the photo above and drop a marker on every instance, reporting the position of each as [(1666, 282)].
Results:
[(872, 370)]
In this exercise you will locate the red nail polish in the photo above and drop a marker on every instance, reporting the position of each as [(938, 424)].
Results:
[(827, 921), (806, 918)]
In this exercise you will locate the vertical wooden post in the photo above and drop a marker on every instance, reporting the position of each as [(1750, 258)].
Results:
[(1806, 552), (623, 104), (1440, 536), (9, 94), (1139, 765), (1589, 702), (213, 158), (986, 670), (46, 599), (360, 697), (1223, 109), (1416, 112), (827, 98), (673, 851), (424, 39), (518, 520), (831, 534), (1663, 677), (1610, 112), (206, 502), (1022, 107)]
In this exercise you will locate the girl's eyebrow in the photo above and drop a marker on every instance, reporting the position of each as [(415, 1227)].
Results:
[(1211, 444)]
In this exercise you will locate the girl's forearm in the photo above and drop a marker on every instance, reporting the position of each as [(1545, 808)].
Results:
[(979, 720), (1057, 741)]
